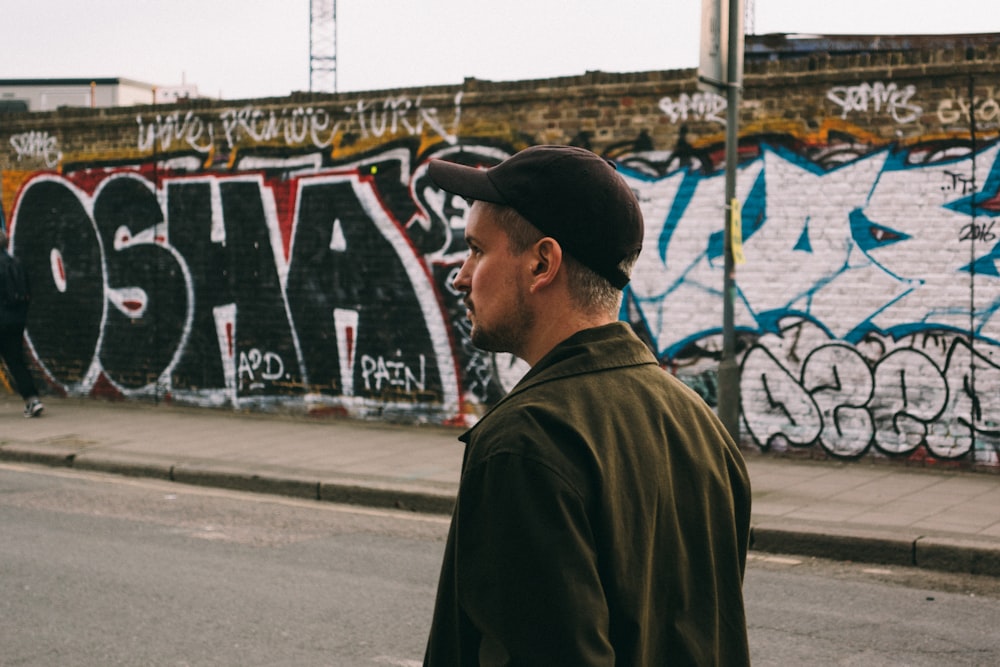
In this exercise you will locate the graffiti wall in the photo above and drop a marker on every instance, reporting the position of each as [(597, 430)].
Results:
[(296, 256), (855, 331)]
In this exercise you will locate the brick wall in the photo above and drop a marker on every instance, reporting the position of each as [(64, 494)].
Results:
[(291, 254)]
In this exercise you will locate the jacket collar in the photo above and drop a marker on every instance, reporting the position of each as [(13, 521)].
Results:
[(601, 348)]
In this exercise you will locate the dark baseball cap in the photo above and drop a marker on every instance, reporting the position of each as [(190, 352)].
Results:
[(571, 194)]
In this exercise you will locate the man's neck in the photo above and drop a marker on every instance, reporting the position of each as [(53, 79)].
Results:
[(553, 328)]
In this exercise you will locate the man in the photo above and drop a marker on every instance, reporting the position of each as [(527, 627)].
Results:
[(603, 511), (14, 296)]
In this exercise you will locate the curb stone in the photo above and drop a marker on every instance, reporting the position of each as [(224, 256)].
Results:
[(958, 555)]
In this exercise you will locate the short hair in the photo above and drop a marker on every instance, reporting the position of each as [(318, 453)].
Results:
[(588, 289)]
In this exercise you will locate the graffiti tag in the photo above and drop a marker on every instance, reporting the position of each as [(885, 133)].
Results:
[(395, 114), (165, 131), (700, 106), (263, 365), (878, 97), (293, 127), (952, 111), (39, 145)]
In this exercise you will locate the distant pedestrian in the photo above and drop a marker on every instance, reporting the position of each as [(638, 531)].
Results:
[(15, 295), (603, 511)]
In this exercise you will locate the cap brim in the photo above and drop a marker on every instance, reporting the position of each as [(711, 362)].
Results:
[(465, 181)]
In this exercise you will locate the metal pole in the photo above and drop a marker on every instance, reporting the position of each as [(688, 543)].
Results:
[(974, 406), (729, 372)]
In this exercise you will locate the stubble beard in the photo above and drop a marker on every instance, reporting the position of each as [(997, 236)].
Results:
[(508, 335)]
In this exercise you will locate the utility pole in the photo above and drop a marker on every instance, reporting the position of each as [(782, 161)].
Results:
[(323, 46), (721, 69), (729, 372)]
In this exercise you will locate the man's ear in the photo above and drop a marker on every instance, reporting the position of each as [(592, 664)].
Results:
[(547, 257)]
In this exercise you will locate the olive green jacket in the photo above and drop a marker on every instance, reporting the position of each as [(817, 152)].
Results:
[(602, 518)]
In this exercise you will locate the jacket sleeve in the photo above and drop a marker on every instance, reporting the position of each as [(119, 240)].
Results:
[(526, 566)]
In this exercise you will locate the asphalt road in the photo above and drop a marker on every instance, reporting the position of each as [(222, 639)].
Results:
[(100, 570)]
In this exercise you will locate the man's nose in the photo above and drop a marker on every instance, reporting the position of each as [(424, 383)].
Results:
[(461, 281)]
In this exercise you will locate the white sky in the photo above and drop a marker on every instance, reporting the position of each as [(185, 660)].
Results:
[(260, 48)]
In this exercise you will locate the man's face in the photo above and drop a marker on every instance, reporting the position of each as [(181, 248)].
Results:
[(493, 281)]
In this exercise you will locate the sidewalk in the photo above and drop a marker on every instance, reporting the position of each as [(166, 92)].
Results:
[(878, 513)]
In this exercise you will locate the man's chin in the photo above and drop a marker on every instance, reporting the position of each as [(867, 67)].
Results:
[(489, 343), (481, 339)]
